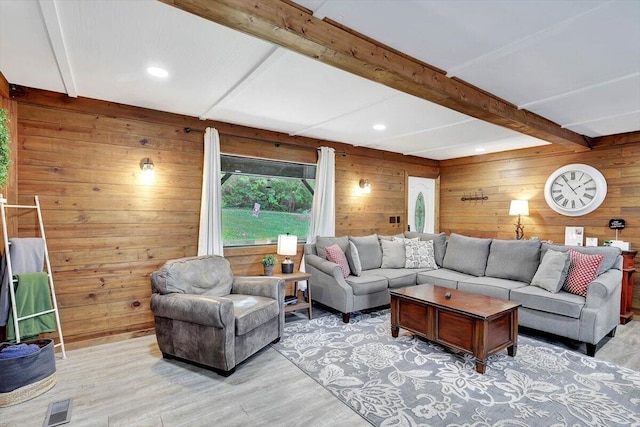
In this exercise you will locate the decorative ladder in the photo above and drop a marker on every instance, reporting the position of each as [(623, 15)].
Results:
[(16, 318)]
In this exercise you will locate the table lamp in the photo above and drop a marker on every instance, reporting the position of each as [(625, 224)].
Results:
[(519, 207), (287, 246)]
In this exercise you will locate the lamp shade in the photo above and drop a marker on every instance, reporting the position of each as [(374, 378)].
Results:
[(287, 244), (519, 207)]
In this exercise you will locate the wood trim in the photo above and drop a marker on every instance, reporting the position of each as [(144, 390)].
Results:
[(618, 139), (296, 29), (4, 86)]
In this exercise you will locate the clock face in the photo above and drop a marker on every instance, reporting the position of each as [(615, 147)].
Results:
[(575, 190)]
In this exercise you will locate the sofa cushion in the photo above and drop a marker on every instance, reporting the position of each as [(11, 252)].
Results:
[(552, 271), (397, 277), (439, 243), (513, 259), (582, 271), (490, 286), (441, 277), (367, 283), (354, 259), (562, 303), (369, 251), (467, 254), (419, 254), (201, 275), (395, 236), (610, 254), (323, 242), (392, 253), (252, 311), (335, 254)]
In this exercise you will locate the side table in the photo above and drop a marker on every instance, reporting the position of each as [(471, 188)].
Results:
[(626, 299), (296, 277)]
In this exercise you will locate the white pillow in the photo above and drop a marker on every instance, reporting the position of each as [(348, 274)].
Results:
[(419, 254)]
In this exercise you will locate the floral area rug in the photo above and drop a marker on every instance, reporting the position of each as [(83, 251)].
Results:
[(407, 381)]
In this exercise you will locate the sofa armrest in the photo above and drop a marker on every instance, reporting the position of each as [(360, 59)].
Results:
[(200, 309), (263, 286), (605, 286), (327, 267)]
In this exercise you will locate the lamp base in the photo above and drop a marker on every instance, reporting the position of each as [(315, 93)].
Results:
[(287, 267)]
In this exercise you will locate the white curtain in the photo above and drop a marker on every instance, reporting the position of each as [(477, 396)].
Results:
[(323, 211), (210, 234)]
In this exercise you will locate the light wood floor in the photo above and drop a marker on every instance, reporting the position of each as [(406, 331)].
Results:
[(129, 384)]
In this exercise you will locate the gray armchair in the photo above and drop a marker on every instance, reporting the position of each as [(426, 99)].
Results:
[(205, 315)]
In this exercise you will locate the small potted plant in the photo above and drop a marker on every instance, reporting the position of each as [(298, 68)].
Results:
[(268, 261)]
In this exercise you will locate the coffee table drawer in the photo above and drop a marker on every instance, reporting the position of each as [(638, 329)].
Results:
[(413, 316), (454, 330)]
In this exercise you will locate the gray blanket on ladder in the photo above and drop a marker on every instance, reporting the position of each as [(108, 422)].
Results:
[(27, 256)]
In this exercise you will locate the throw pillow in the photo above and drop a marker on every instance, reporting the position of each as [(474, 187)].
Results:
[(335, 254), (582, 271), (393, 253), (353, 257), (439, 242), (552, 272), (419, 254), (369, 250)]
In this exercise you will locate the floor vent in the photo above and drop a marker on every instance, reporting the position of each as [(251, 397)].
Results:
[(58, 413)]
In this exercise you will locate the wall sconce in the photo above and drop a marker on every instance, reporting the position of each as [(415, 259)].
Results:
[(519, 207), (148, 174), (365, 186), (287, 246)]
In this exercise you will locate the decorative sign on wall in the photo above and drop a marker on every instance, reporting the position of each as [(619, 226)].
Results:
[(616, 224)]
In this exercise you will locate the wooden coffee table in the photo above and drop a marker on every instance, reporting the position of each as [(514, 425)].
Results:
[(475, 324)]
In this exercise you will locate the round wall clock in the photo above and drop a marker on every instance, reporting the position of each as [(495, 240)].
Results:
[(575, 189)]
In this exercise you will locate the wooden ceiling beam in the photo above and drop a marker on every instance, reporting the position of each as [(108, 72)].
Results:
[(295, 28)]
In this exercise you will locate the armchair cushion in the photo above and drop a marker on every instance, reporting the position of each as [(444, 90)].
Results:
[(203, 275), (252, 311), (200, 309)]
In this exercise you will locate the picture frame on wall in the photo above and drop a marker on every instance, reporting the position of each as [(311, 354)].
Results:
[(574, 236)]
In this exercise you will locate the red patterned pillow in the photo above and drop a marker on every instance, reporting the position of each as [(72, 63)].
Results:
[(582, 270), (335, 254)]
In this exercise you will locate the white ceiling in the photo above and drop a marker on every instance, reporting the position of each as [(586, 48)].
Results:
[(574, 62)]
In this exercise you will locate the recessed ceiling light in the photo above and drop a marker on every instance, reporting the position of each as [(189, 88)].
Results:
[(158, 72), (480, 150), (379, 126)]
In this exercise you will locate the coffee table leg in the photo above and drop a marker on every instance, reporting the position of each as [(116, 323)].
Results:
[(481, 365), (511, 350)]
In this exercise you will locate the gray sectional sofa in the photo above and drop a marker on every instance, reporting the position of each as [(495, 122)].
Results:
[(515, 270)]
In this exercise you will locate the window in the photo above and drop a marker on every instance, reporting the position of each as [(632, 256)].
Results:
[(264, 198)]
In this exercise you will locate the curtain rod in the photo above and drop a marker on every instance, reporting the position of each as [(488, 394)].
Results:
[(276, 143)]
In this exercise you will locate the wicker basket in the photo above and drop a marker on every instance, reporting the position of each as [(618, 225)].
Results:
[(23, 378)]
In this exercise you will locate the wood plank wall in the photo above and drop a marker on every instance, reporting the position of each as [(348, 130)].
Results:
[(522, 174), (107, 231)]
